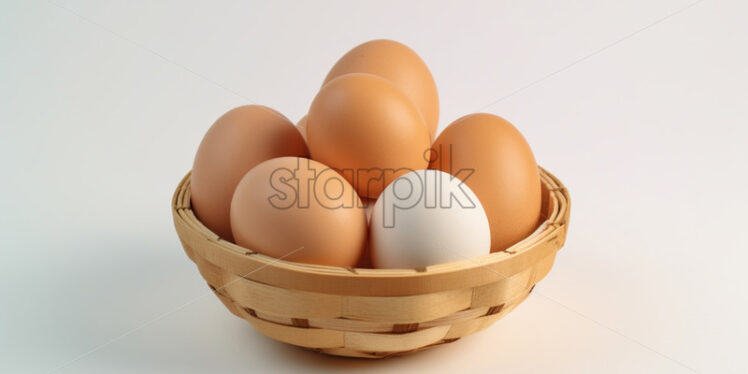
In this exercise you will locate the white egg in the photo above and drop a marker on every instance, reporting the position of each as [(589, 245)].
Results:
[(427, 217)]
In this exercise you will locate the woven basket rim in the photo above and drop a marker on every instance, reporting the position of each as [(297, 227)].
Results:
[(249, 264)]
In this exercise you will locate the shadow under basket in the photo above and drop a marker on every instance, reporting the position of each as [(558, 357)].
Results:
[(373, 313)]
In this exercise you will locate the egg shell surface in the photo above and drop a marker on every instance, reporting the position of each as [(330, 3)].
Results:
[(427, 217), (369, 130), (240, 139), (299, 210), (496, 162)]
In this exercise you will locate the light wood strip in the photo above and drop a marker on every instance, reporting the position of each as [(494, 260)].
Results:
[(283, 302), (303, 337), (502, 292), (407, 309), (465, 328), (394, 342), (543, 267)]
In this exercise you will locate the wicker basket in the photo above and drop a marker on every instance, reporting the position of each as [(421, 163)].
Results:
[(372, 313)]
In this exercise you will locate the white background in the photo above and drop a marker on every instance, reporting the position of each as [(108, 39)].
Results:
[(638, 106)]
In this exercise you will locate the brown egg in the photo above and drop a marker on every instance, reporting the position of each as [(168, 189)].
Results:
[(367, 128), (288, 203), (239, 140), (301, 125), (402, 67), (504, 173)]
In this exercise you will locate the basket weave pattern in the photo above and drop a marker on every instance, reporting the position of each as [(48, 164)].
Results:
[(372, 313)]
